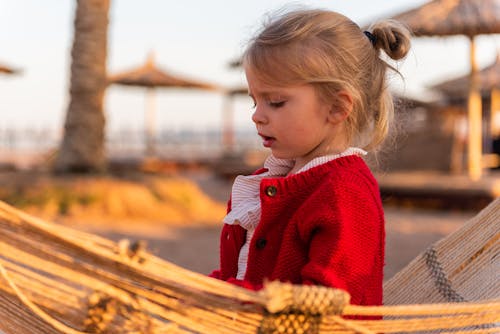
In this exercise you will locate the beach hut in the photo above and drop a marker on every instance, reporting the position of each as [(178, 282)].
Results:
[(456, 91), (488, 81), (150, 76), (468, 18)]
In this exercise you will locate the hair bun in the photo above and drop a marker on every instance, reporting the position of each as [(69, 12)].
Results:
[(392, 37)]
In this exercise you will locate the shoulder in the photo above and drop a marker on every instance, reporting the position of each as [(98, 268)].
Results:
[(349, 173), (348, 187), (347, 196)]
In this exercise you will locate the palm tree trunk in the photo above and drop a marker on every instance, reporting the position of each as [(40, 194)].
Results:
[(82, 147)]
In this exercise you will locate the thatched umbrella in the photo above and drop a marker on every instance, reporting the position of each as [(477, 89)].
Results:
[(460, 17), (150, 76), (488, 81), (8, 70)]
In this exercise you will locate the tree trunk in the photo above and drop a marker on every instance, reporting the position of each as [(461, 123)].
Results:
[(82, 148)]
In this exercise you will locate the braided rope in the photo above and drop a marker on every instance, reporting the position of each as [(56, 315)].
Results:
[(309, 299), (299, 309), (291, 322)]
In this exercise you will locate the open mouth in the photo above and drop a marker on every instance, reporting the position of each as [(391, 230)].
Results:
[(267, 141)]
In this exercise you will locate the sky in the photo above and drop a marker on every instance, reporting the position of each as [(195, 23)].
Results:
[(194, 38)]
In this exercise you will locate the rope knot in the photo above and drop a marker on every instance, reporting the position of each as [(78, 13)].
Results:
[(307, 299), (298, 308)]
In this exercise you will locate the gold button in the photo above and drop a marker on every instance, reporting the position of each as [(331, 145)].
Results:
[(271, 191)]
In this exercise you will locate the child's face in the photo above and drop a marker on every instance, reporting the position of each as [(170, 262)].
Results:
[(292, 121)]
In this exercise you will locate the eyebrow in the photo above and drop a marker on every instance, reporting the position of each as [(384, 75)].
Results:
[(267, 93)]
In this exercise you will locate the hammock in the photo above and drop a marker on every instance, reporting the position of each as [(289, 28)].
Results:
[(58, 280)]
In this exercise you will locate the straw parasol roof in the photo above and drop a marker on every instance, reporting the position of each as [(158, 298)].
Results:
[(489, 79), (453, 17), (468, 18), (8, 70), (150, 76), (239, 90)]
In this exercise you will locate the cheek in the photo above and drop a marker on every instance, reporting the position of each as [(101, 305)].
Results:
[(300, 132)]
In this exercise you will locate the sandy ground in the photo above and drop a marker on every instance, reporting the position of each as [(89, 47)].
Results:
[(409, 232)]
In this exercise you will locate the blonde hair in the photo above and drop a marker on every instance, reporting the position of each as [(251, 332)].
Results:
[(329, 51)]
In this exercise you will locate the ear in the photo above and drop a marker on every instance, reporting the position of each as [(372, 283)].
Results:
[(341, 108)]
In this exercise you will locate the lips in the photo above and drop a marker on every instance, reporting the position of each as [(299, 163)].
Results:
[(267, 141)]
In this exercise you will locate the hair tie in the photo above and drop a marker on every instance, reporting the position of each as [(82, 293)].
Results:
[(371, 37)]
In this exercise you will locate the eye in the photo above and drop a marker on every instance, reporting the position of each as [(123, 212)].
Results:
[(254, 103), (278, 104)]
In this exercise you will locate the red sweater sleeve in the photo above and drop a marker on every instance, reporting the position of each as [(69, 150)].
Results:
[(346, 242)]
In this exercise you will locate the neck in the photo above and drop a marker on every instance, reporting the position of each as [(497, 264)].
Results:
[(301, 162)]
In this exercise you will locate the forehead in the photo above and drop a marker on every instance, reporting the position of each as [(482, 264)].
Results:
[(259, 84), (257, 87)]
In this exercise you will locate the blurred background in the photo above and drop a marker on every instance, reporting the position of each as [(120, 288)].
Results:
[(132, 119)]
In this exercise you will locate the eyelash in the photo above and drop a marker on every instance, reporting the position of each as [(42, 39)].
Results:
[(272, 104), (277, 104)]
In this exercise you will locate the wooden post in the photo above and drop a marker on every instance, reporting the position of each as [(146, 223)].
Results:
[(150, 121), (475, 119), (495, 125), (495, 113), (227, 124)]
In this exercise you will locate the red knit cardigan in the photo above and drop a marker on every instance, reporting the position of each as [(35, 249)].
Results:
[(324, 226)]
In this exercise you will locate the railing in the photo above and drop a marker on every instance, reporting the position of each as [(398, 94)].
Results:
[(23, 148)]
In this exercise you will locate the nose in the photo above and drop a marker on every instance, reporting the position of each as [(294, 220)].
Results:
[(258, 116)]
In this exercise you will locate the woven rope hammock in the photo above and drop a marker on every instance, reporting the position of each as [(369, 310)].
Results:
[(58, 280)]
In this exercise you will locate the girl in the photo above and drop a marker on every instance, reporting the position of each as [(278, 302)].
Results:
[(313, 214)]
